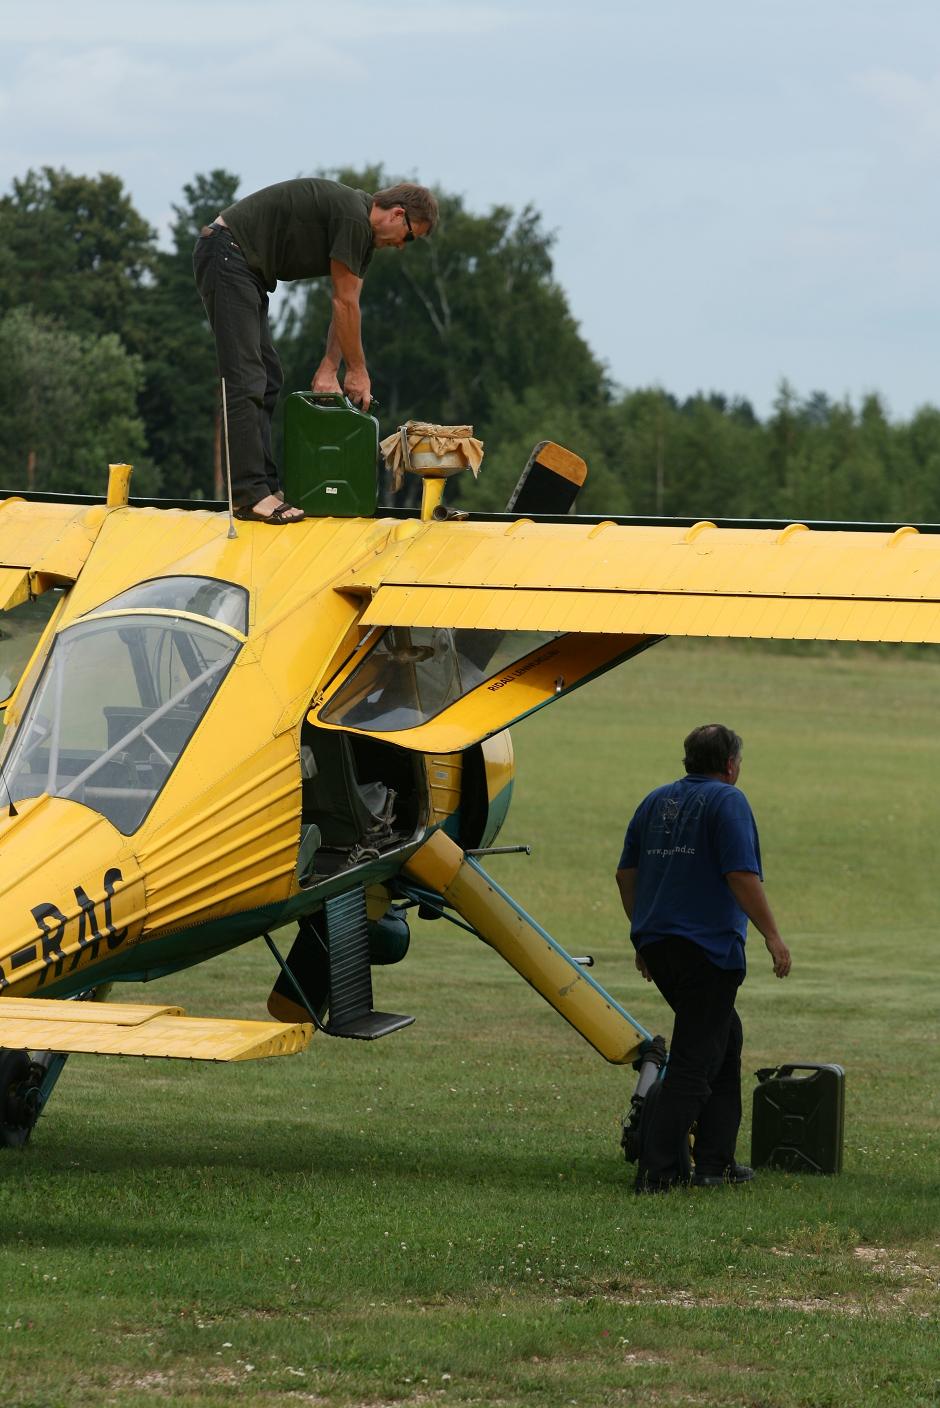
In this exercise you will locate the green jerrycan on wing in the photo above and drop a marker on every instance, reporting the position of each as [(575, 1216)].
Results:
[(331, 453)]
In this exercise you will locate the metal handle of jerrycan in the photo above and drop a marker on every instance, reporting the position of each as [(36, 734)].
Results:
[(786, 1071), (337, 398)]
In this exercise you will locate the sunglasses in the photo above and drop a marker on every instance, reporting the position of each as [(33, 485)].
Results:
[(411, 234)]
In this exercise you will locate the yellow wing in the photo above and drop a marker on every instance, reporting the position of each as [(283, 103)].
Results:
[(794, 583), (478, 624), (43, 544), (129, 1029)]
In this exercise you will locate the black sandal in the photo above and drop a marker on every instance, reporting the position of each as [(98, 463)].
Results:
[(277, 516)]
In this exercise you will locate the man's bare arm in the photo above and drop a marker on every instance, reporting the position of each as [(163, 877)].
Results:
[(346, 335), (327, 373), (749, 893), (626, 884)]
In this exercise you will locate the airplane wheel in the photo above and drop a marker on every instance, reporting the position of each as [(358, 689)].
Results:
[(18, 1113)]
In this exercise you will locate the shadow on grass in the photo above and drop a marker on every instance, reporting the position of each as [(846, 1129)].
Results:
[(297, 1149), (38, 1229), (262, 1160)]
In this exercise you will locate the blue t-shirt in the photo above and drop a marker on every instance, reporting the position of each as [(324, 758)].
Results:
[(683, 840)]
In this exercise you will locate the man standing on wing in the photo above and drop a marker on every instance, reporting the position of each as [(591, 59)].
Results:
[(300, 229), (690, 878)]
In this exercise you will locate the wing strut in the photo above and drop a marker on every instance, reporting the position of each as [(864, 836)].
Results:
[(495, 917)]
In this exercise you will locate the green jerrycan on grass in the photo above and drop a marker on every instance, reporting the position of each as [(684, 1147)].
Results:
[(331, 453), (798, 1120)]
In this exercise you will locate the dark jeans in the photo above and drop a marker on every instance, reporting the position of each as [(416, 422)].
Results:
[(703, 1077), (236, 305)]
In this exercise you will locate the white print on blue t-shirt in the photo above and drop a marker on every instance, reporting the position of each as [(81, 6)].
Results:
[(683, 840)]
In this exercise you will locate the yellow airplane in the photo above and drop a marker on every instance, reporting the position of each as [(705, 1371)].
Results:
[(211, 735)]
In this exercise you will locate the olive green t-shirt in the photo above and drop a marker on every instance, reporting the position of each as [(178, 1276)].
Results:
[(293, 230)]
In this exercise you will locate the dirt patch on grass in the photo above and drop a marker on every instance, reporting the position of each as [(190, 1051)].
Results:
[(915, 1287), (154, 1381), (883, 1301), (172, 1384), (811, 1305), (896, 1262)]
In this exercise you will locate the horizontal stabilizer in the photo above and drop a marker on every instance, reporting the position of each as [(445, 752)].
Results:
[(127, 1029)]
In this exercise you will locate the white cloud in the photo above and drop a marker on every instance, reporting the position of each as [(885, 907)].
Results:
[(221, 25), (119, 95), (759, 169), (125, 74), (915, 101)]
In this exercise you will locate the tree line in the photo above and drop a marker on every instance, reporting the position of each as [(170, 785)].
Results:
[(107, 356)]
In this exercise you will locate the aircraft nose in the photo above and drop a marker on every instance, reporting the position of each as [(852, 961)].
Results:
[(71, 896)]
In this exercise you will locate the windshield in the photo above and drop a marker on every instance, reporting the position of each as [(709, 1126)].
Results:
[(118, 701), (200, 596), (413, 673)]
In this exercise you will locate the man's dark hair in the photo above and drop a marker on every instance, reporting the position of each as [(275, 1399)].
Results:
[(418, 201), (710, 748)]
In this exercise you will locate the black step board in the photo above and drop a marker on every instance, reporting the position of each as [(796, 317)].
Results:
[(370, 1027), (351, 1013)]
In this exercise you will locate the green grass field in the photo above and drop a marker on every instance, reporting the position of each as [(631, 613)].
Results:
[(443, 1216)]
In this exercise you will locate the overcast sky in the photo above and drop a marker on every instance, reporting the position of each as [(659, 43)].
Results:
[(741, 191)]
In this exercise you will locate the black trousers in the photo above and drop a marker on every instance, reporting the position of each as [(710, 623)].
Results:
[(236, 304), (703, 1078)]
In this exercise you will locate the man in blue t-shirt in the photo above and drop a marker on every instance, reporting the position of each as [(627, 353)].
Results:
[(690, 878)]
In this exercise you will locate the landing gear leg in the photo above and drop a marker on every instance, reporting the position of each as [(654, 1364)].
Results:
[(639, 1120), (20, 1096), (26, 1082)]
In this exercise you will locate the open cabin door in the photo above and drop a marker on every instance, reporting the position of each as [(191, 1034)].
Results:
[(442, 689)]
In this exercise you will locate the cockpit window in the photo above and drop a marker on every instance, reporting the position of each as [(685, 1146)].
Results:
[(117, 703), (414, 673), (200, 596)]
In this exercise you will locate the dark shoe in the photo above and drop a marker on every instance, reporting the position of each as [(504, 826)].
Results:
[(277, 516), (731, 1176)]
